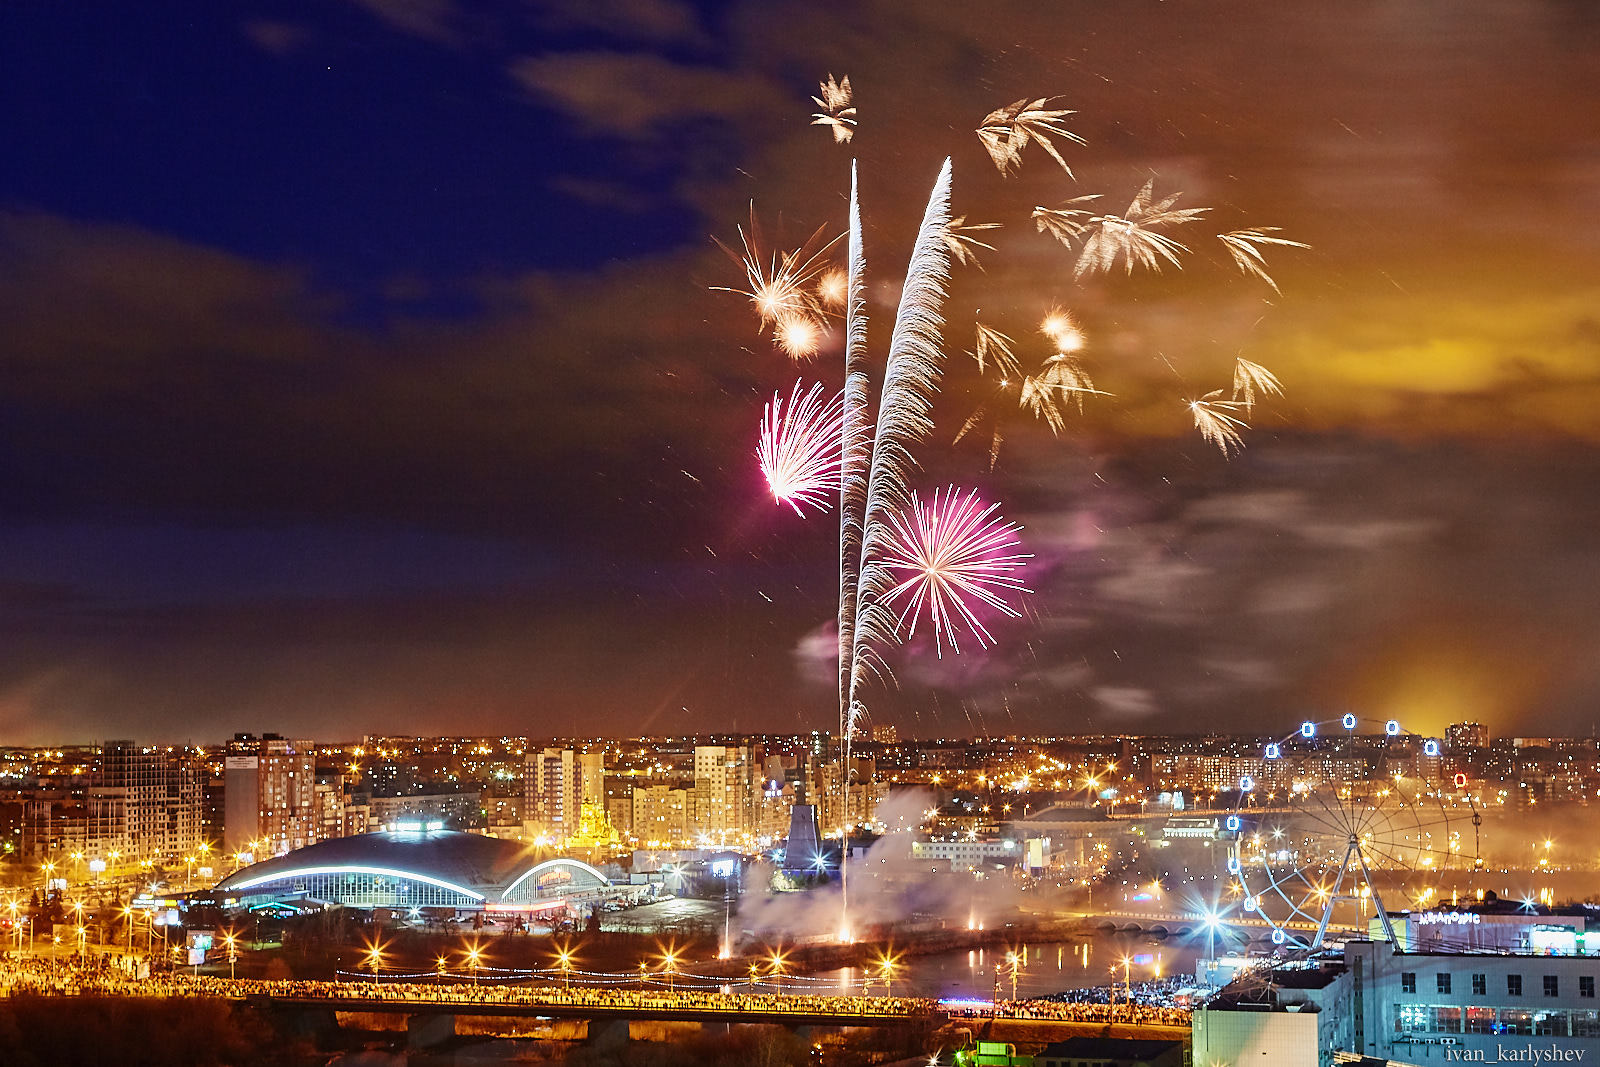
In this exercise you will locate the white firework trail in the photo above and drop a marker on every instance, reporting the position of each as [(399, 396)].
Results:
[(905, 405), (855, 451)]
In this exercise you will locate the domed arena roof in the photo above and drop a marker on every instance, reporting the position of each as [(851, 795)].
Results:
[(484, 865)]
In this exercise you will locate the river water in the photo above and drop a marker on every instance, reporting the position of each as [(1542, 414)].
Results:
[(1049, 967)]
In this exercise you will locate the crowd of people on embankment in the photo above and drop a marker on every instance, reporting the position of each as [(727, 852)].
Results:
[(49, 977)]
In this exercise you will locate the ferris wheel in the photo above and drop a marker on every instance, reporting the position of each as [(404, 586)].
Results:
[(1338, 817)]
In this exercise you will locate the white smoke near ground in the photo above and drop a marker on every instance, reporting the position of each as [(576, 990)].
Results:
[(887, 887)]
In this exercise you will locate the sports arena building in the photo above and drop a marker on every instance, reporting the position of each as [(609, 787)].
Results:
[(427, 868)]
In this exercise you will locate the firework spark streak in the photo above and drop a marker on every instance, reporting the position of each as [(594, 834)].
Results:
[(963, 246), (1242, 246), (1211, 418), (1007, 130), (780, 283), (995, 347), (1062, 376), (952, 555), (1251, 378), (1133, 235), (837, 111), (1064, 223), (799, 447)]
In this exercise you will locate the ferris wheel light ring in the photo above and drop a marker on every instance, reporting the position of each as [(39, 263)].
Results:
[(1269, 888)]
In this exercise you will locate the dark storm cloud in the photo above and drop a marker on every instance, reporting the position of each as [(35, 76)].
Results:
[(402, 478)]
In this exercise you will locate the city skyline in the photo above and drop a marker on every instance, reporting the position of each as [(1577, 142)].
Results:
[(362, 367)]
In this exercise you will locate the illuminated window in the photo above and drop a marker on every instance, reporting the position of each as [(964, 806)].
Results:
[(1516, 1020), (1411, 1018), (1550, 1024)]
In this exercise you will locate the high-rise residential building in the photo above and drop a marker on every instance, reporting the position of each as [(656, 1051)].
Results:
[(1459, 735), (145, 803), (660, 816), (553, 791), (288, 782), (330, 799), (727, 790), (271, 794), (821, 744), (213, 803), (241, 793)]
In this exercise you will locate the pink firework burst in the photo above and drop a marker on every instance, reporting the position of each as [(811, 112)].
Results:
[(951, 556), (800, 445)]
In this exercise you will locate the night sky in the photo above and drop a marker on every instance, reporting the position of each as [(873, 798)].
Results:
[(360, 370)]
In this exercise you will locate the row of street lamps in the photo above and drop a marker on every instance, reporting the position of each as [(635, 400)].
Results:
[(882, 969)]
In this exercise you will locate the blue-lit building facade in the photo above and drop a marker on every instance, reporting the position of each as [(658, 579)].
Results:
[(425, 868)]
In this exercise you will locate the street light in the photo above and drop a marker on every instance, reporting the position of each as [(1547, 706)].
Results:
[(16, 926), (374, 960), (474, 959), (669, 963), (564, 961), (777, 971), (886, 969), (230, 940), (1015, 959), (439, 968)]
